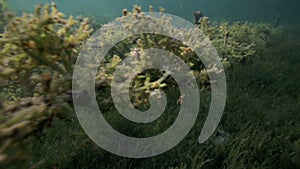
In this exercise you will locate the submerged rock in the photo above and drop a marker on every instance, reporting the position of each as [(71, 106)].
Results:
[(222, 137), (197, 16)]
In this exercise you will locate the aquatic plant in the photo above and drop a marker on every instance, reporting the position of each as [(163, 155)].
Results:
[(261, 117), (38, 53), (238, 41), (3, 10)]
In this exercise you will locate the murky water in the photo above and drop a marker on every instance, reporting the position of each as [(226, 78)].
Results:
[(230, 10)]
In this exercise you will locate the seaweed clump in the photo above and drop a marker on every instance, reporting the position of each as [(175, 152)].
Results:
[(37, 56), (235, 43)]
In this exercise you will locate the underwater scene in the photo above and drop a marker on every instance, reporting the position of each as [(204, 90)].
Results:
[(149, 84)]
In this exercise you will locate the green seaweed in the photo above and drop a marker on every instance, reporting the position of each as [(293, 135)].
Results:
[(3, 13)]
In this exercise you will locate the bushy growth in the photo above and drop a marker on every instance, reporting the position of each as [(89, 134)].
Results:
[(37, 54)]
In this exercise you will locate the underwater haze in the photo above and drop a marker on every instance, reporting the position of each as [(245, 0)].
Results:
[(48, 122), (229, 10)]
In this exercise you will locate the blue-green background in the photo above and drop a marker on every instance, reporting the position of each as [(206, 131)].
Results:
[(230, 10)]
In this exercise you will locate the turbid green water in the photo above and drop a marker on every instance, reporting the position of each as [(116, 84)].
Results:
[(232, 10)]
